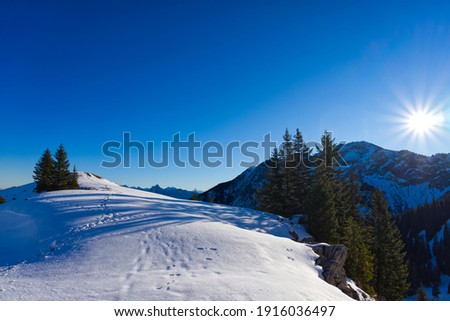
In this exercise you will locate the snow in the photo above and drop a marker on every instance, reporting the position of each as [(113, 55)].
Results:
[(107, 242)]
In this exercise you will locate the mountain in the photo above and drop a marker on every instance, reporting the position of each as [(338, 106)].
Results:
[(107, 242), (168, 191), (407, 179)]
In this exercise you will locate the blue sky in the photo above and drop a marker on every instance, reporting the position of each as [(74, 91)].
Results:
[(83, 72)]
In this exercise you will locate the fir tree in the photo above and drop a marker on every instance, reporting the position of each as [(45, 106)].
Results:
[(270, 196), (321, 205), (359, 264), (195, 195), (435, 291), (421, 295), (44, 172), (74, 179), (62, 178), (301, 180), (289, 176), (390, 270)]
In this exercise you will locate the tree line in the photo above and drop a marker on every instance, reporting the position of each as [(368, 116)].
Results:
[(334, 213), (427, 237), (51, 174)]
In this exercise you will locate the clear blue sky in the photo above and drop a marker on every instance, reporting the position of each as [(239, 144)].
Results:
[(83, 72)]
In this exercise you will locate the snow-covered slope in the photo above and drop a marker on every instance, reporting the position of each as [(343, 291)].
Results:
[(107, 242)]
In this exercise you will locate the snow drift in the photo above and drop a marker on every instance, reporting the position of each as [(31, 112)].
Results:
[(106, 242)]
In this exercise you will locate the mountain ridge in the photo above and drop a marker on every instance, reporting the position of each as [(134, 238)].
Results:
[(407, 179)]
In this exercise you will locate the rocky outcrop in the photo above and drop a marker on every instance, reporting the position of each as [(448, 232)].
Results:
[(332, 260)]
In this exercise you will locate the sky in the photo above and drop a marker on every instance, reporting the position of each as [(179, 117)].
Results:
[(83, 73)]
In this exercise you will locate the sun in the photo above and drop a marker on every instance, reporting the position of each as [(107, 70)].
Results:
[(423, 122)]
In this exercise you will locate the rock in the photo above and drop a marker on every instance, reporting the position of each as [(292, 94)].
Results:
[(332, 260)]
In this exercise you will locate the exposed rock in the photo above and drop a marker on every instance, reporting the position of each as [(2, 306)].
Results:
[(332, 260)]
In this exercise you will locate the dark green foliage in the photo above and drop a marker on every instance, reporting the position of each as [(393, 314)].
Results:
[(431, 218), (322, 203), (2, 200), (51, 175), (62, 178), (448, 289), (270, 196), (421, 295), (44, 172), (73, 184), (332, 206), (360, 260), (390, 269)]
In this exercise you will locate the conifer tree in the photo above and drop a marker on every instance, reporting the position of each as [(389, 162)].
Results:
[(390, 270), (61, 176), (270, 196), (321, 205), (288, 171), (44, 172), (359, 264), (74, 179), (421, 295), (301, 181)]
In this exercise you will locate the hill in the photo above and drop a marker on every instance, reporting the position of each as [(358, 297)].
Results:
[(107, 242)]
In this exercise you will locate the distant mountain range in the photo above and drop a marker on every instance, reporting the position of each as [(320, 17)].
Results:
[(406, 178), (168, 191)]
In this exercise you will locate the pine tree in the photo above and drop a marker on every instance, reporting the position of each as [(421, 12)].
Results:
[(421, 295), (321, 204), (270, 196), (61, 175), (359, 264), (195, 195), (448, 288), (288, 171), (43, 172), (74, 179), (391, 273), (435, 291), (301, 180)]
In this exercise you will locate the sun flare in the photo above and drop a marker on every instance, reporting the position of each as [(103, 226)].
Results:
[(424, 122)]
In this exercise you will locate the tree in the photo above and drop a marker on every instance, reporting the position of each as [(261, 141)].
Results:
[(422, 295), (448, 289), (359, 264), (195, 195), (44, 172), (321, 205), (301, 174), (390, 269), (62, 177), (74, 179), (436, 282), (270, 196), (435, 291)]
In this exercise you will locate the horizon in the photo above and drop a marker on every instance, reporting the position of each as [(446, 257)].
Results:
[(125, 184), (83, 74)]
